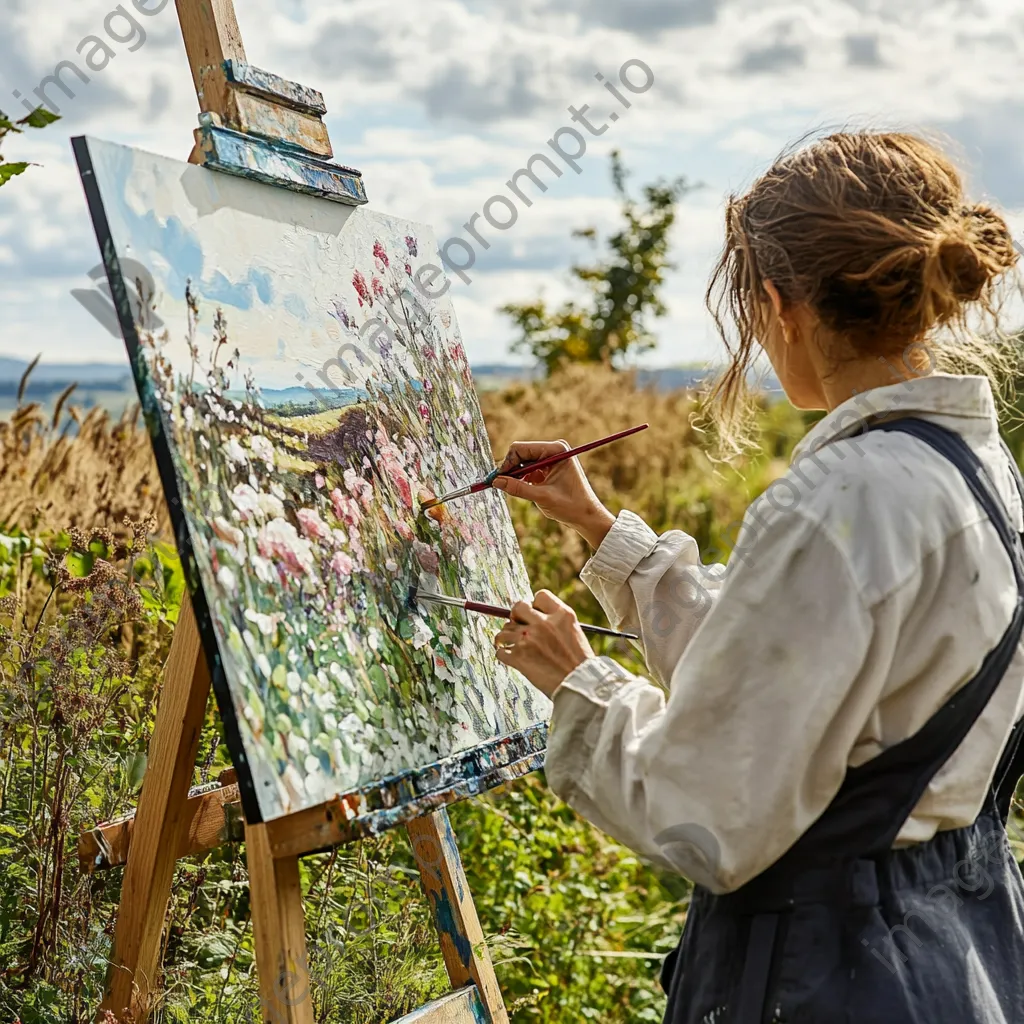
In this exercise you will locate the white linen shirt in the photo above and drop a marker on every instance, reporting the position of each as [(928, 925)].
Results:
[(866, 586)]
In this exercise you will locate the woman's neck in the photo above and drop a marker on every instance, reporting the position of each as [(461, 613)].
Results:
[(854, 377)]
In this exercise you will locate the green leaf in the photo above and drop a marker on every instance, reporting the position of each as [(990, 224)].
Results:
[(40, 118), (136, 770), (8, 171)]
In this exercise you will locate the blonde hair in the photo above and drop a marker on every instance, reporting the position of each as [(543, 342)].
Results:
[(871, 229)]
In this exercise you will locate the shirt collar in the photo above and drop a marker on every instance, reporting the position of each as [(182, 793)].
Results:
[(964, 403)]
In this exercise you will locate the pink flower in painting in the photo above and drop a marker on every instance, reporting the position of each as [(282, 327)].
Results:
[(378, 288), (429, 352), (280, 541), (427, 386), (466, 420), (359, 283), (358, 487), (403, 531), (459, 354), (411, 245), (342, 565), (319, 479), (345, 508), (312, 525), (408, 269), (398, 477), (424, 410), (427, 557), (380, 254)]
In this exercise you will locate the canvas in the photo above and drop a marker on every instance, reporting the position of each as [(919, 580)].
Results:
[(307, 388)]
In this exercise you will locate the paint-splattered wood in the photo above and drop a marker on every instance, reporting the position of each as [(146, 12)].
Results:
[(451, 905), (375, 809), (279, 931), (274, 87), (256, 115), (276, 164), (213, 816), (159, 825), (210, 31), (462, 1007)]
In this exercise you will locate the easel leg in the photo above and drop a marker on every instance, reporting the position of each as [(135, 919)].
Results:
[(279, 931), (451, 904), (149, 870)]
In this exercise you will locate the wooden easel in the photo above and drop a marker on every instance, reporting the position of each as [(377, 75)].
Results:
[(258, 125)]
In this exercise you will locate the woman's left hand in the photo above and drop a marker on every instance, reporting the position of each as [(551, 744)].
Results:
[(543, 641)]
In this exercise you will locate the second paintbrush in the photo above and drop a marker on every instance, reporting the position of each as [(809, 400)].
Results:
[(525, 468), (417, 594)]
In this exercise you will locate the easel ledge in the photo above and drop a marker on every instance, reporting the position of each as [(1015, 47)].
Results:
[(259, 126)]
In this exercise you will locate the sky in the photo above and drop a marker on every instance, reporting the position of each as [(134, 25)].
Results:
[(439, 104)]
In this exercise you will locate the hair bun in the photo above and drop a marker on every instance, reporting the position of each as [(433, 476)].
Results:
[(968, 255)]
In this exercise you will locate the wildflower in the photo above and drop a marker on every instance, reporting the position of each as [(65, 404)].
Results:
[(389, 460), (408, 269), (424, 410), (342, 565), (270, 505), (380, 255), (378, 288), (429, 352), (359, 283), (266, 624), (263, 664), (427, 386), (279, 540), (224, 531), (403, 531), (226, 578), (427, 557), (341, 314), (345, 508), (358, 487), (421, 633), (411, 245), (246, 501), (263, 449), (234, 453), (318, 479), (312, 525)]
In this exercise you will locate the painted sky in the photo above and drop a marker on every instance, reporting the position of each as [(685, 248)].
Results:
[(440, 103)]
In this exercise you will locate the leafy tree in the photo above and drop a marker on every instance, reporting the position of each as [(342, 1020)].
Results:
[(39, 118), (624, 286)]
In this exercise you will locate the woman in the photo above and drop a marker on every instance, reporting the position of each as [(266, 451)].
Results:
[(832, 750)]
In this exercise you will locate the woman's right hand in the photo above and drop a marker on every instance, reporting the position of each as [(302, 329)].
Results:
[(562, 492)]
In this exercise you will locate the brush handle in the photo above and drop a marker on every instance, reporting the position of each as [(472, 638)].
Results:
[(506, 613), (552, 460)]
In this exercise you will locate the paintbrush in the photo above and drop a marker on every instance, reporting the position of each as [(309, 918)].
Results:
[(417, 594), (525, 468)]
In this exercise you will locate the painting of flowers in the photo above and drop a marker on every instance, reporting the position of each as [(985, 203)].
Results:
[(305, 381)]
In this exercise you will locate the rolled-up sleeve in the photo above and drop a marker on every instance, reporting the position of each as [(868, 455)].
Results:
[(719, 776), (654, 586)]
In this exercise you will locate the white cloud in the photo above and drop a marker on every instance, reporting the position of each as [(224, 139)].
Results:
[(439, 104)]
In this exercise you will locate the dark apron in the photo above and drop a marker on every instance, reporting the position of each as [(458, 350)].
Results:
[(843, 928)]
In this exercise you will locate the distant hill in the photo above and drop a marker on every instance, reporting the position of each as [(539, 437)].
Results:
[(111, 384)]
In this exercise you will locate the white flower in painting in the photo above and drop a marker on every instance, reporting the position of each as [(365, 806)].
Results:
[(277, 490), (246, 500), (374, 638), (312, 764), (298, 745), (279, 540), (340, 537), (235, 453), (270, 505), (264, 569), (325, 701), (226, 578), (294, 681), (262, 449), (263, 664), (224, 531), (422, 634), (189, 415), (391, 565), (267, 624)]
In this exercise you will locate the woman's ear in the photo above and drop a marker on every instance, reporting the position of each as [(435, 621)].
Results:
[(783, 315)]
